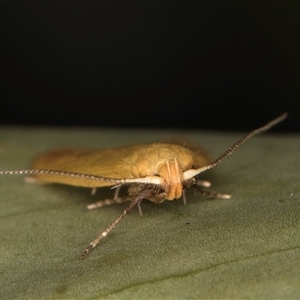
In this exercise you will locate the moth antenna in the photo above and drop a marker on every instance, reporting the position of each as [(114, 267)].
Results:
[(191, 173), (94, 243), (52, 172), (116, 181), (62, 173)]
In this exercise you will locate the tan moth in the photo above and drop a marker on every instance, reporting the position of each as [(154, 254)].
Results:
[(157, 172)]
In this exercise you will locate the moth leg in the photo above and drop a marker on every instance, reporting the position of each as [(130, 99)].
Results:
[(213, 194), (203, 183), (114, 200), (93, 191), (31, 179), (199, 182), (184, 197), (140, 209)]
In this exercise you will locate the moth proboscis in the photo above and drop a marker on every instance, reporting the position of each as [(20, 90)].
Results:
[(158, 171)]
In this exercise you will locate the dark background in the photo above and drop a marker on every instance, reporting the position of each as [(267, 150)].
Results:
[(197, 65)]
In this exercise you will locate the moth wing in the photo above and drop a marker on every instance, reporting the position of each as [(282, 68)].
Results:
[(114, 163), (108, 163)]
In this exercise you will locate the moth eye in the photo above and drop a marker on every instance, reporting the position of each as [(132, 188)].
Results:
[(141, 186)]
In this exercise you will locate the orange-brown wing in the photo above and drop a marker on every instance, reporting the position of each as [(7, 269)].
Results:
[(109, 163), (128, 162)]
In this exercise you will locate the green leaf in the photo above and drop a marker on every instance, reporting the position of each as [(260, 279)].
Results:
[(244, 247)]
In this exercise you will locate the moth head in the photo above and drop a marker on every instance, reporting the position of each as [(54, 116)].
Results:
[(173, 180), (156, 192)]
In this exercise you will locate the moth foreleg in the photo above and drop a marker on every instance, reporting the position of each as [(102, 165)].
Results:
[(203, 183), (212, 194)]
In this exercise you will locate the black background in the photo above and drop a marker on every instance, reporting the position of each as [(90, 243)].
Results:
[(197, 65)]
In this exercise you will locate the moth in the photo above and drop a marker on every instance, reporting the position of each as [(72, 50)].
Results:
[(157, 172)]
